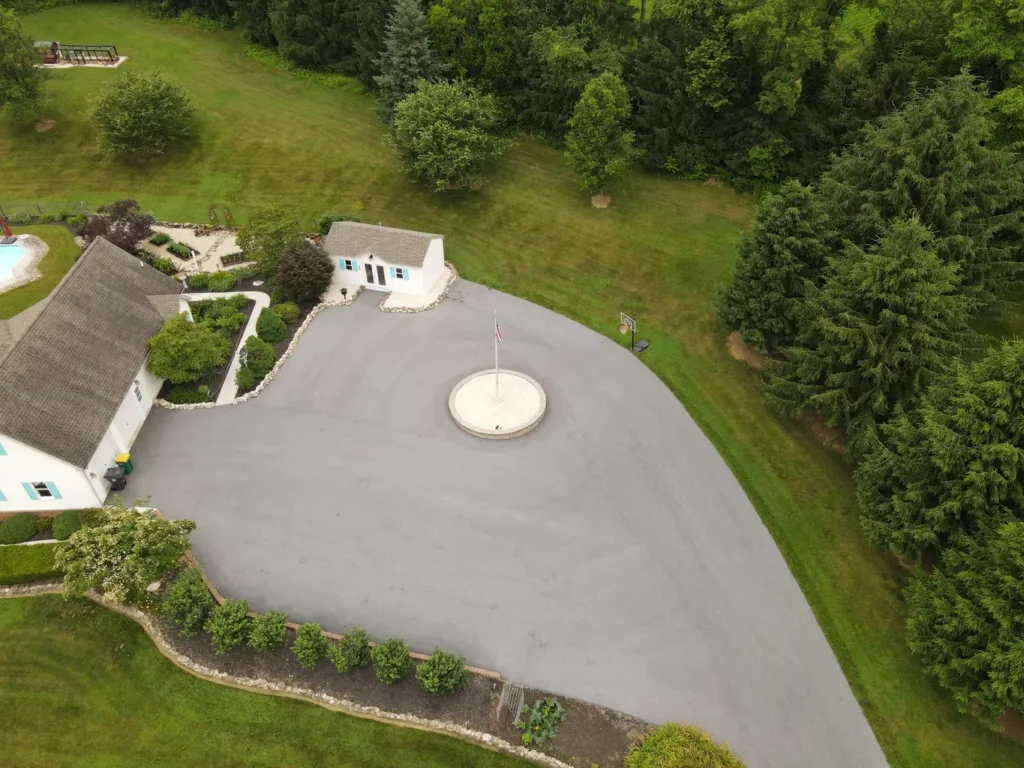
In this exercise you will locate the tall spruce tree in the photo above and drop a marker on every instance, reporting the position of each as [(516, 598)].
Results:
[(966, 622), (880, 329), (371, 27), (784, 253), (407, 57), (254, 17), (953, 465), (932, 160), (319, 34)]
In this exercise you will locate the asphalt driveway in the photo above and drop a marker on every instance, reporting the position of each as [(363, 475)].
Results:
[(608, 555)]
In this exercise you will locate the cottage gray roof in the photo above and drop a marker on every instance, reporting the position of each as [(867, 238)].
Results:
[(352, 240), (73, 360)]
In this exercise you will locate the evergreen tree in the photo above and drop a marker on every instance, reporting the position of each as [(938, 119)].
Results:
[(966, 622), (879, 330), (932, 160), (316, 33), (407, 57), (371, 27), (597, 147), (785, 251), (254, 17), (953, 465)]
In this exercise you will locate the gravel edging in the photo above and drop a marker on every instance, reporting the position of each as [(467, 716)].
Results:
[(452, 277)]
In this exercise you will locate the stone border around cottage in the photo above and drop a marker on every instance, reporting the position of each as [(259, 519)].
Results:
[(36, 248), (277, 688), (441, 296)]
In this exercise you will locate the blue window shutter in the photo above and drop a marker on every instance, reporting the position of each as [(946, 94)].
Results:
[(392, 273), (355, 266), (405, 274), (54, 491), (30, 491), (2, 497), (3, 451), (341, 264)]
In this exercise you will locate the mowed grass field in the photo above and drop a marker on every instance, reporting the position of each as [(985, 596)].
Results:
[(82, 686), (660, 252)]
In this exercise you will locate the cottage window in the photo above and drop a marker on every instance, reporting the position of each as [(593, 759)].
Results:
[(399, 273), (138, 393), (43, 490)]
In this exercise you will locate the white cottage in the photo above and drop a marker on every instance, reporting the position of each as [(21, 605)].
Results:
[(74, 389), (384, 258)]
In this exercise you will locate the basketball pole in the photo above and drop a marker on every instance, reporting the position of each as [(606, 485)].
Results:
[(497, 396)]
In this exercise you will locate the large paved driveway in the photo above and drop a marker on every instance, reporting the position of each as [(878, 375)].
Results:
[(609, 555)]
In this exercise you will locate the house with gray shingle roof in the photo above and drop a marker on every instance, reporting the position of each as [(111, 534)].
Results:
[(383, 258), (74, 389)]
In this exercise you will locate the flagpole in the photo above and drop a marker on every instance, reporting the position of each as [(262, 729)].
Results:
[(497, 397)]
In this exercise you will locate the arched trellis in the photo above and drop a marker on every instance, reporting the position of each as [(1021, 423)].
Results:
[(217, 210)]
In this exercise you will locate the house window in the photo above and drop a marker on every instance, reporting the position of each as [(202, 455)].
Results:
[(138, 393), (38, 491), (348, 265), (42, 490), (399, 273)]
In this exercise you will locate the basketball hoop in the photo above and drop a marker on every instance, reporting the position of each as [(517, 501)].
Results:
[(623, 328)]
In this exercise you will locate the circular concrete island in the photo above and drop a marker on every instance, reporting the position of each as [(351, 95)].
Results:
[(518, 409)]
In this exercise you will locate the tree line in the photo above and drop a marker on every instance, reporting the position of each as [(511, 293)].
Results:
[(861, 287)]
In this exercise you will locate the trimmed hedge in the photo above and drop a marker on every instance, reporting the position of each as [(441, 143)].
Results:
[(310, 644), (66, 523), (184, 395), (33, 562), (18, 528), (259, 356), (270, 327), (268, 631), (680, 746), (353, 650), (391, 660), (187, 602), (442, 673), (229, 625), (288, 311)]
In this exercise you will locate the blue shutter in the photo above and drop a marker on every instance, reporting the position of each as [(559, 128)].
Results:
[(30, 491), (392, 273), (3, 451), (405, 274), (54, 491), (2, 497), (341, 264), (355, 266)]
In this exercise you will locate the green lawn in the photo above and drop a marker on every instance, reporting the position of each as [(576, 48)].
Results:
[(52, 266), (82, 686), (659, 253)]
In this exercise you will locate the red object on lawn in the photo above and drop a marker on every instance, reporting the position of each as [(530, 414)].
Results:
[(6, 229)]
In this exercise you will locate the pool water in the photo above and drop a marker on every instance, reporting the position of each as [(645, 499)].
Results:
[(10, 255)]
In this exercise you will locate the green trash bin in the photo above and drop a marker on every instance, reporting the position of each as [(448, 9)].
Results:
[(124, 461)]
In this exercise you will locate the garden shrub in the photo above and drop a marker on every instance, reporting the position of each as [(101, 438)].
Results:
[(49, 218), (229, 625), (186, 396), (185, 351), (391, 660), (43, 524), (122, 223), (140, 113), (249, 270), (245, 380), (288, 311), (679, 746), (199, 281), (188, 602), (259, 356), (309, 645), (542, 721), (160, 238), (268, 631), (304, 272), (18, 528), (19, 565), (66, 523), (76, 219), (164, 265), (180, 250), (223, 281), (270, 327), (442, 673), (325, 221), (353, 650), (21, 219)]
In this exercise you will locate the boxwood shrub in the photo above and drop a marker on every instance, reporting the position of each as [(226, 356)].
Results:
[(391, 660), (160, 238), (270, 327), (679, 746), (288, 311), (442, 673), (66, 523), (44, 524), (353, 650), (309, 645), (268, 631), (259, 356), (18, 528), (229, 625), (188, 602)]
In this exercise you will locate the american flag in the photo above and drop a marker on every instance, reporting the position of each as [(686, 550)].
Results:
[(497, 332)]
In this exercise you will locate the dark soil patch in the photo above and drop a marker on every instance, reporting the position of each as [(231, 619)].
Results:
[(588, 735), (215, 381)]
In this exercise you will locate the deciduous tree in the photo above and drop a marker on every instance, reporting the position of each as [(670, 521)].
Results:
[(880, 330), (141, 114), (781, 257), (597, 146), (955, 464), (267, 234), (21, 81), (185, 351), (444, 134), (304, 273), (121, 223)]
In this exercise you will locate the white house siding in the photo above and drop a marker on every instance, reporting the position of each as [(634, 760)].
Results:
[(24, 464), (433, 265), (78, 488), (420, 281)]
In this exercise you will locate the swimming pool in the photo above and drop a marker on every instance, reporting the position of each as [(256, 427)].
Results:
[(10, 256)]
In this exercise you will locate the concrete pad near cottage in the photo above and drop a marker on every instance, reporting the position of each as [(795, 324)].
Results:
[(609, 554), (397, 301)]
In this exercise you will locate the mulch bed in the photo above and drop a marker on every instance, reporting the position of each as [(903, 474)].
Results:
[(215, 381), (588, 735)]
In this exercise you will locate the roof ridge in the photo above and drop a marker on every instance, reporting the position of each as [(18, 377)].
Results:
[(392, 229)]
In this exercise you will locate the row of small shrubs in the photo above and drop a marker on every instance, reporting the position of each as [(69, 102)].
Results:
[(24, 218), (189, 605), (188, 396), (214, 281), (23, 526)]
